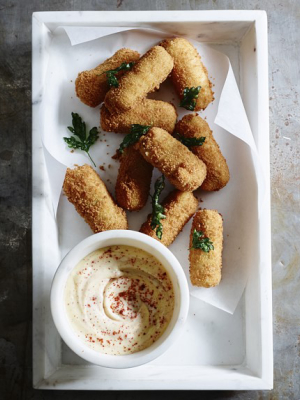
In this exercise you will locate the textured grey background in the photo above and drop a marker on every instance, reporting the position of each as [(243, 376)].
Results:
[(15, 192)]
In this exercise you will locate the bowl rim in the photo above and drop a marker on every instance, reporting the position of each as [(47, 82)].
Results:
[(69, 262)]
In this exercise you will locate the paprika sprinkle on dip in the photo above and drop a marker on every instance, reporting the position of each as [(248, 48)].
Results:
[(119, 300)]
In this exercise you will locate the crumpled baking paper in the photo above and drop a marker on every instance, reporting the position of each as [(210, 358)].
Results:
[(74, 49)]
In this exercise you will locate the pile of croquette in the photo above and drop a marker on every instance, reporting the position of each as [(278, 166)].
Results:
[(185, 151)]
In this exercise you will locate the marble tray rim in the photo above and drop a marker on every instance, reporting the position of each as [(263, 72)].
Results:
[(64, 377)]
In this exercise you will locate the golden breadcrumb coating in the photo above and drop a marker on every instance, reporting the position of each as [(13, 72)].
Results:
[(205, 268), (146, 112), (91, 86), (179, 209), (145, 76), (218, 175), (86, 191), (182, 168), (133, 181), (188, 70)]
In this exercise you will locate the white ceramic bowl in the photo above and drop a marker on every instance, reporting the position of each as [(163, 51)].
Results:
[(129, 238)]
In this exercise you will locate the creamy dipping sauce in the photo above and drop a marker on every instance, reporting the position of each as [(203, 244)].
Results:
[(119, 300)]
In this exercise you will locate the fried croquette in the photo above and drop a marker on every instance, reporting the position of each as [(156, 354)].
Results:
[(188, 70), (91, 86), (182, 168), (133, 181), (147, 112), (179, 209), (218, 175), (146, 75), (205, 267), (86, 191)]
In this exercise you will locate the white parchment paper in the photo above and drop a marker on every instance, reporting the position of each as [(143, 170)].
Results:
[(74, 49)]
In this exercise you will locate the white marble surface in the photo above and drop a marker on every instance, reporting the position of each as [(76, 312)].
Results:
[(230, 340)]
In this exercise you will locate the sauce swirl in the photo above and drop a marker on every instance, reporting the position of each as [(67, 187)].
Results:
[(119, 300)]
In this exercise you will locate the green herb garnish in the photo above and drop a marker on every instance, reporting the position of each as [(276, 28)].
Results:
[(112, 80), (136, 132), (190, 96), (81, 140), (201, 242), (190, 142), (157, 209)]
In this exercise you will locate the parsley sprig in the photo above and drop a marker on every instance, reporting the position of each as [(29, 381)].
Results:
[(190, 96), (112, 80), (81, 140), (157, 209), (201, 242), (131, 138), (190, 142)]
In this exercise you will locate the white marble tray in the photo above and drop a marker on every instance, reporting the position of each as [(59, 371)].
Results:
[(218, 350)]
